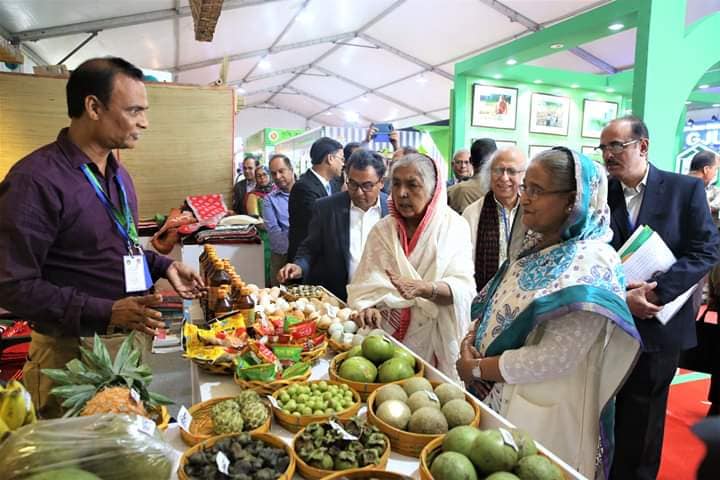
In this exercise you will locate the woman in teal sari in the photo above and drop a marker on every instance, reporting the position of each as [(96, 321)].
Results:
[(553, 339)]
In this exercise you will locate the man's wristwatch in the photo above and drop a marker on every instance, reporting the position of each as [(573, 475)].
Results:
[(477, 371)]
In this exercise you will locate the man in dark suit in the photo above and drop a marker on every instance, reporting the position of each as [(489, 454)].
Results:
[(675, 207), (327, 160), (339, 227)]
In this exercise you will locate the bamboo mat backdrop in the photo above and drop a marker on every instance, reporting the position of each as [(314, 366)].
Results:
[(187, 150)]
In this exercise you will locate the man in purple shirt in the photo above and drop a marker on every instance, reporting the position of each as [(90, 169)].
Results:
[(68, 235), (275, 212)]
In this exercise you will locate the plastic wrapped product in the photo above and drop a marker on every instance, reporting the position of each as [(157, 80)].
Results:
[(108, 446)]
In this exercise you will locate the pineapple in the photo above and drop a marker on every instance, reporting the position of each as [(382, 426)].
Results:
[(96, 384), (113, 400)]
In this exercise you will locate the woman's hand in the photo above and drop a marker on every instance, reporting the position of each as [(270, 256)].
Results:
[(469, 357), (370, 317), (410, 289)]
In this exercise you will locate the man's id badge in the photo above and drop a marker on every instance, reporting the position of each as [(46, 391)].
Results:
[(137, 273)]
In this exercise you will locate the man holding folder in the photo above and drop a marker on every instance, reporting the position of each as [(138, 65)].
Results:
[(675, 207)]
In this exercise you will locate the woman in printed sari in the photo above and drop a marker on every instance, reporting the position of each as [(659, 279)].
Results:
[(415, 277), (554, 339), (253, 206)]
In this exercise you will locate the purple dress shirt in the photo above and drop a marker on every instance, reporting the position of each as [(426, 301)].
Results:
[(277, 220), (60, 253)]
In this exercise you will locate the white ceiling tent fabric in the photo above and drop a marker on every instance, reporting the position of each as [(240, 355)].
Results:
[(380, 60)]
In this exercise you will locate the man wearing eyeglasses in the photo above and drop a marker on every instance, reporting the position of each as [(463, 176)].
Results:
[(496, 217), (461, 166), (339, 227), (675, 207)]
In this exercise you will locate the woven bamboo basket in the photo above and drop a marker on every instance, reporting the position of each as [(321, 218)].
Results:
[(434, 448), (225, 368), (362, 474), (201, 427), (408, 443), (267, 388), (338, 347), (312, 355), (312, 473), (293, 423), (364, 389), (427, 455), (265, 437)]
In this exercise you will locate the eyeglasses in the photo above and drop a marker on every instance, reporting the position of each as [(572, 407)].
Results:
[(533, 192), (365, 187), (615, 147), (511, 172)]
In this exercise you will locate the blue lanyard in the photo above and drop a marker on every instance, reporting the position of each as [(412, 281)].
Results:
[(505, 222), (122, 220)]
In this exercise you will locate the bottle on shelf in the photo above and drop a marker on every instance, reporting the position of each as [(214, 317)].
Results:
[(222, 304), (218, 278), (246, 305)]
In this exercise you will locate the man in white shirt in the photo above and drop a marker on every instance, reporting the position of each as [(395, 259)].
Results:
[(339, 227), (491, 224)]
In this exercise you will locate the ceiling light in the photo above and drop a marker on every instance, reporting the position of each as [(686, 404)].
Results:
[(574, 85), (351, 116), (616, 26), (557, 46), (497, 76), (421, 79), (537, 81), (704, 86), (328, 113), (264, 64), (610, 90), (511, 61), (716, 105), (365, 98), (241, 90)]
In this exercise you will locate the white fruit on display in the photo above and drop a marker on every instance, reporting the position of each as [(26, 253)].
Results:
[(336, 328), (347, 338), (349, 326)]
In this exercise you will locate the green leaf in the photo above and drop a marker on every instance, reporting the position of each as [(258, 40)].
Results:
[(61, 377), (76, 366), (101, 352), (69, 391), (79, 399), (95, 363), (160, 399), (123, 353), (131, 362)]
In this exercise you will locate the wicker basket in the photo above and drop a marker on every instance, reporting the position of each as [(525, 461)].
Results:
[(408, 443), (338, 347), (312, 473), (293, 423), (215, 368), (201, 427), (364, 389), (265, 437), (267, 388), (312, 355), (362, 474), (427, 455)]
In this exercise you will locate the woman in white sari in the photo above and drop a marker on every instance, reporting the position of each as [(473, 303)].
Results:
[(415, 278)]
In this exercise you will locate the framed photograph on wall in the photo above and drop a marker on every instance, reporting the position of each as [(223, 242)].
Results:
[(505, 143), (535, 149), (596, 114), (592, 154), (494, 107), (549, 114)]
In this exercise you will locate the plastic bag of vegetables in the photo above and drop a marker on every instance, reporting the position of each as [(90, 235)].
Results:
[(107, 447)]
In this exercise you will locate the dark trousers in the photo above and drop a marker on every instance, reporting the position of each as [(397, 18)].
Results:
[(640, 417)]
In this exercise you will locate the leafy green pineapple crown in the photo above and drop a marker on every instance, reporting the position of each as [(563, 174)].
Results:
[(83, 378)]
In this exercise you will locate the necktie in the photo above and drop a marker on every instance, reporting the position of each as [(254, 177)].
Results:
[(328, 189)]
